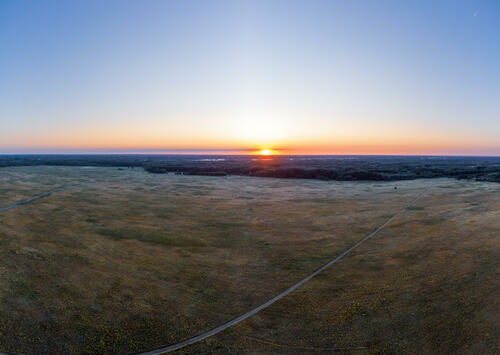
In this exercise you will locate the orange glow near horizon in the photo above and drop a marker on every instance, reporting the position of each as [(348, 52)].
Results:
[(161, 143), (250, 137), (334, 149)]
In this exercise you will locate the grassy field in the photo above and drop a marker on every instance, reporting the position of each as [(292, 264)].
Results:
[(122, 261)]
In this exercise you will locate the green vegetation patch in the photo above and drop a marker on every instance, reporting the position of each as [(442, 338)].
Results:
[(24, 287), (415, 208), (153, 237)]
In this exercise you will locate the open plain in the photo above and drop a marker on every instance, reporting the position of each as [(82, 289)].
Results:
[(121, 261)]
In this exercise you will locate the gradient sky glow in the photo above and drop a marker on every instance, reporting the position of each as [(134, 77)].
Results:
[(336, 77)]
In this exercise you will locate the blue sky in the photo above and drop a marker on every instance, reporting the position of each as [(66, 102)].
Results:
[(374, 77)]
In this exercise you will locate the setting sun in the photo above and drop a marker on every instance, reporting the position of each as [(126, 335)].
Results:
[(266, 152)]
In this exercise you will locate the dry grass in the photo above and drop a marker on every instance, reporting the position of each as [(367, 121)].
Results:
[(128, 261)]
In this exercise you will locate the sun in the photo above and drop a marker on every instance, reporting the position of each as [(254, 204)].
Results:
[(266, 152)]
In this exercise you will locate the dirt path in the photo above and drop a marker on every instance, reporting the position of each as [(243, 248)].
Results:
[(266, 304), (17, 204)]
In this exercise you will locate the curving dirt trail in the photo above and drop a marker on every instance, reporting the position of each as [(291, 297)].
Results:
[(20, 203), (266, 304)]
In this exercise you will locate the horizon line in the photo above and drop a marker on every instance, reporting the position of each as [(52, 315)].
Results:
[(204, 153)]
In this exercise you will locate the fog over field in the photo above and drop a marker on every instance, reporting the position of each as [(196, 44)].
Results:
[(121, 261)]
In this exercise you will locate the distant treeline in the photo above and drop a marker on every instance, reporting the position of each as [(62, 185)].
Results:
[(341, 168), (284, 173)]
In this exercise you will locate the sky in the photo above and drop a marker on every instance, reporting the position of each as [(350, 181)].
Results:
[(297, 77)]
